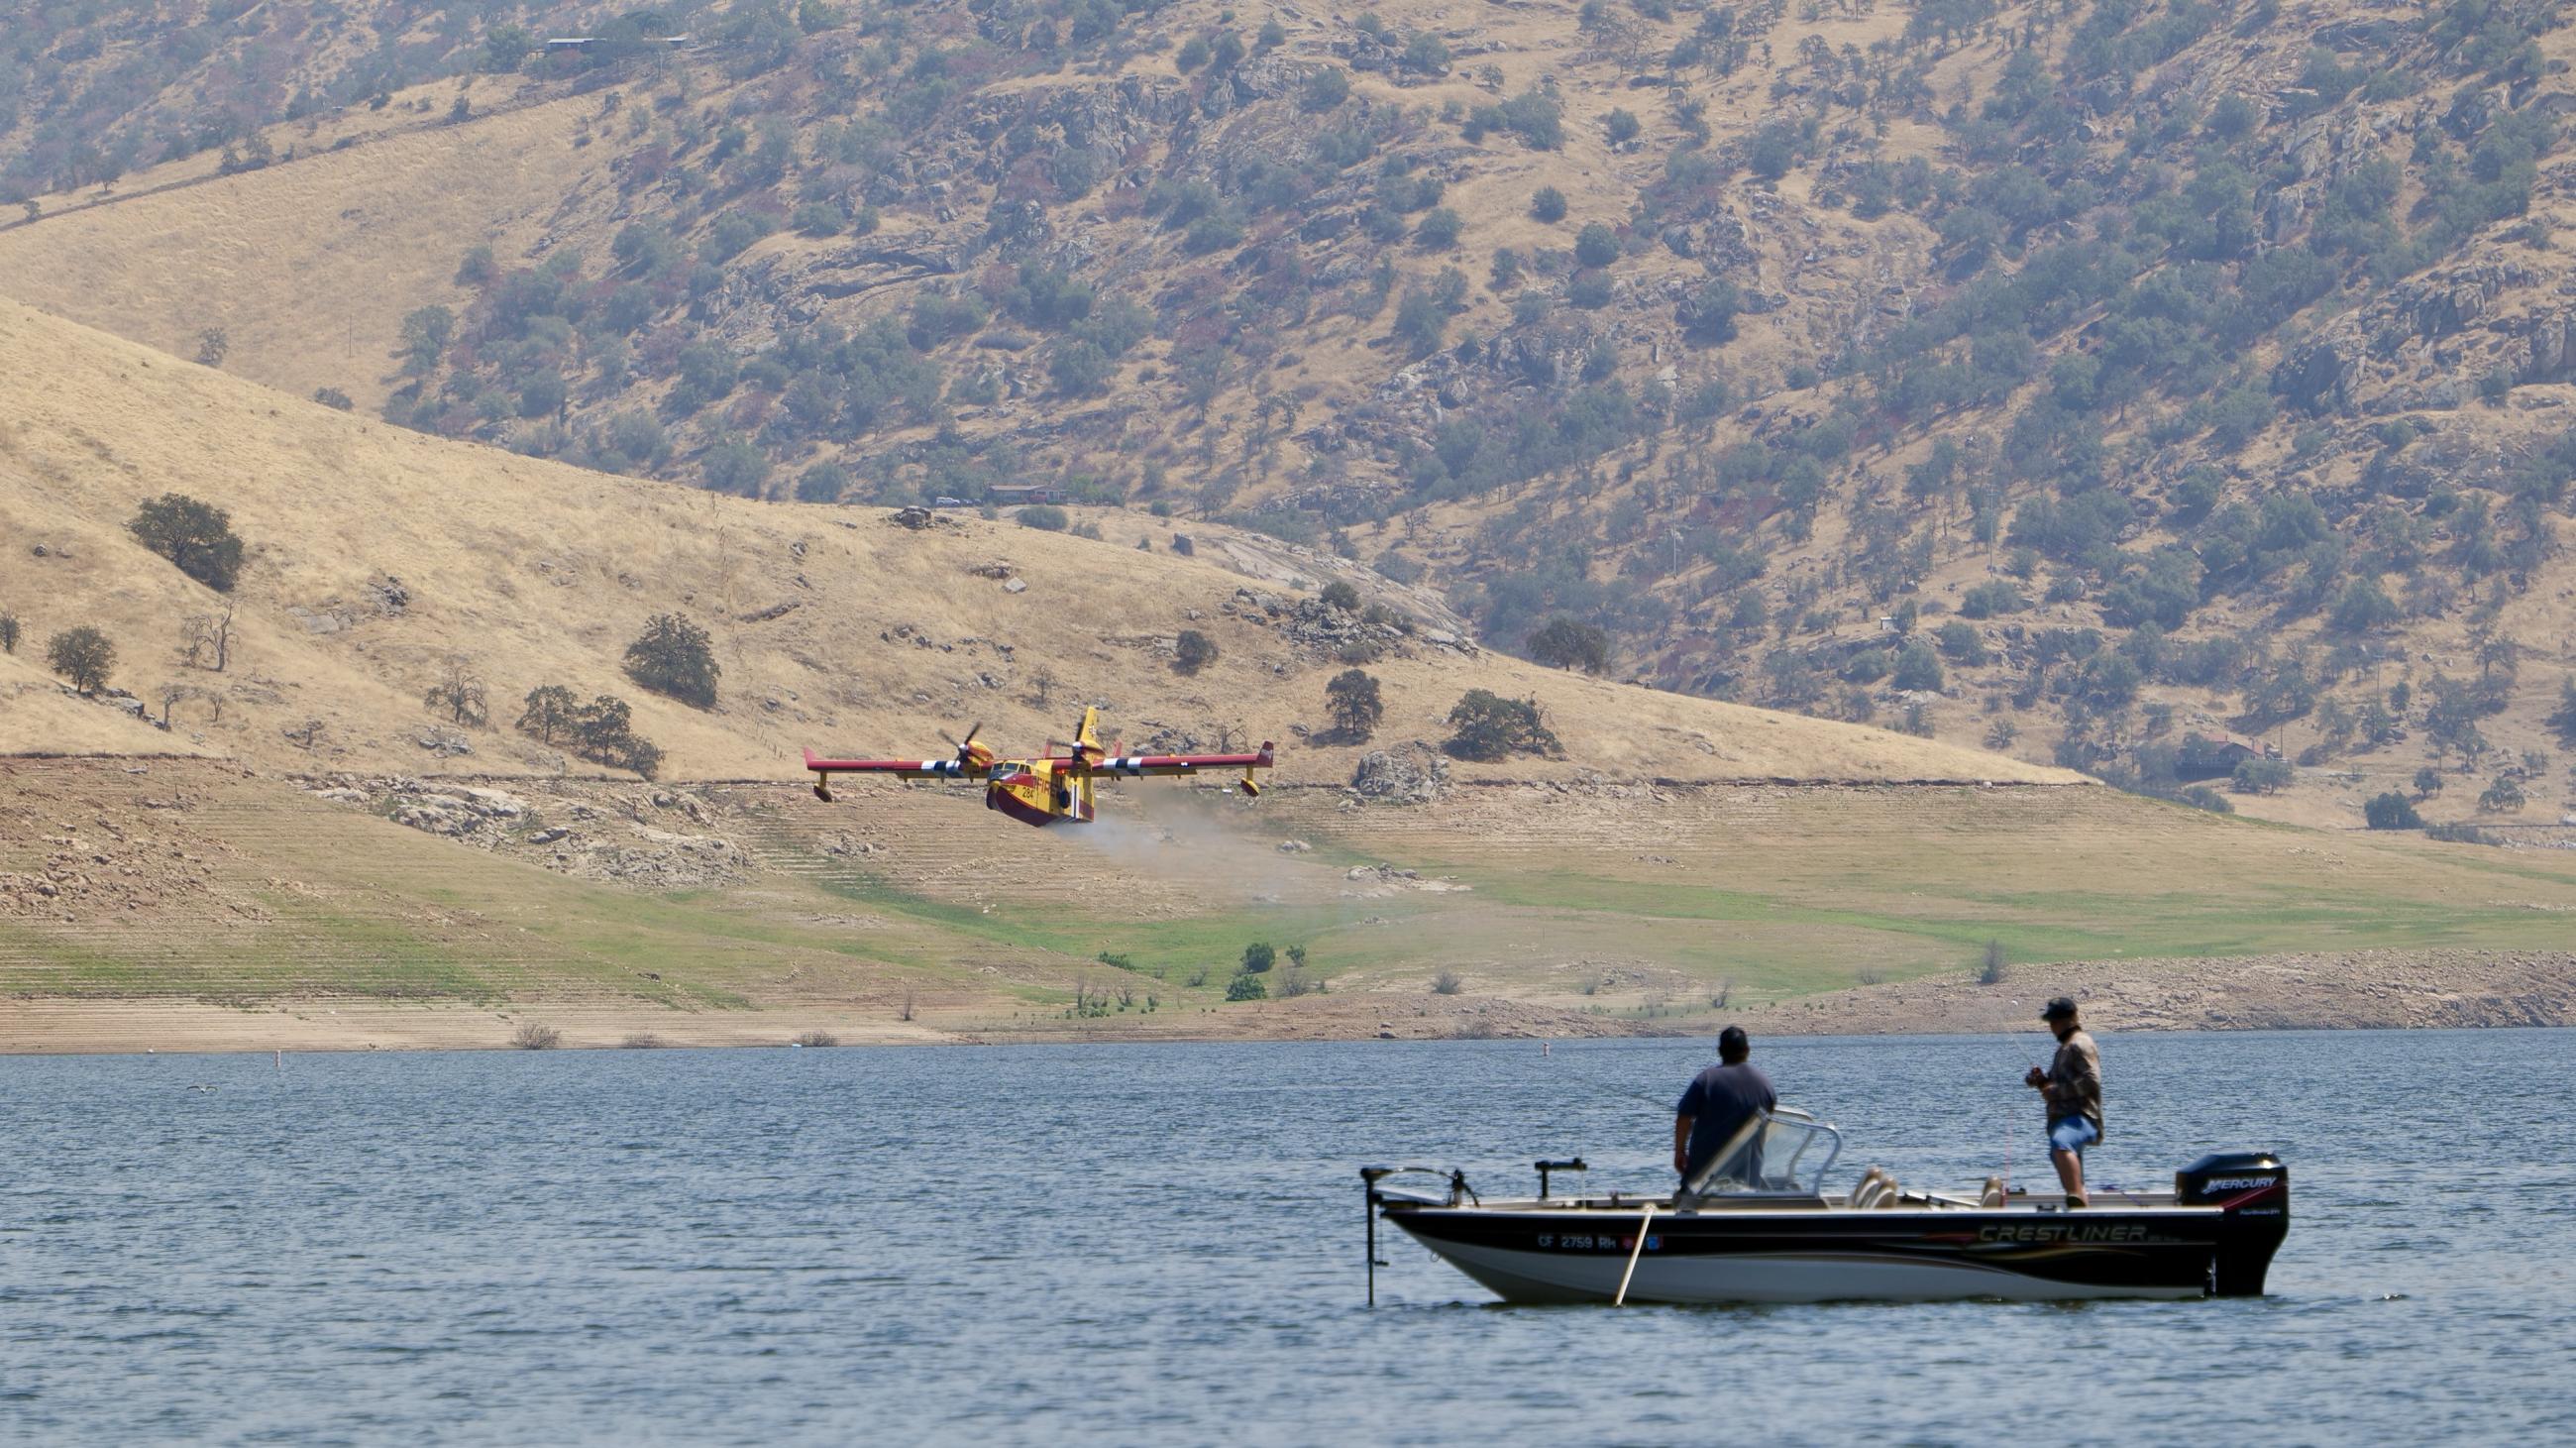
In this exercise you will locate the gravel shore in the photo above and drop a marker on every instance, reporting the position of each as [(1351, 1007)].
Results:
[(2362, 990), (2365, 990)]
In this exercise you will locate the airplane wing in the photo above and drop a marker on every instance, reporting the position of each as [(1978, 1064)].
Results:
[(1138, 766), (899, 768)]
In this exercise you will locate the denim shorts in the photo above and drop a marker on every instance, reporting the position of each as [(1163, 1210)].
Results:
[(2072, 1133)]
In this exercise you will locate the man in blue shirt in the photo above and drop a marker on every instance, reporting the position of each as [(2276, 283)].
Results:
[(1717, 1103)]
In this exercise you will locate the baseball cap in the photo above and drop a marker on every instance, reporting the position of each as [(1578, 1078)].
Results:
[(2058, 1009)]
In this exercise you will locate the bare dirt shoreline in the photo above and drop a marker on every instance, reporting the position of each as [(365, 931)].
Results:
[(2365, 990)]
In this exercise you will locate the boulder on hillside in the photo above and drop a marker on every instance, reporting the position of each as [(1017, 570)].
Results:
[(1410, 774), (2318, 378)]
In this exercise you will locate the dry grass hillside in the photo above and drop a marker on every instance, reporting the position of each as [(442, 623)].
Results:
[(295, 265), (190, 904), (391, 878), (2055, 380), (378, 555), (2226, 341)]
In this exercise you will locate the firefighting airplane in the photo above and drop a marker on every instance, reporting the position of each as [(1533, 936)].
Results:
[(1043, 790)]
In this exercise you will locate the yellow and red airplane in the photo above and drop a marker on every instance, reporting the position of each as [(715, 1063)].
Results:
[(1046, 789)]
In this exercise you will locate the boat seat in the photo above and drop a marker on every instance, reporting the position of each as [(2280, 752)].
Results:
[(1993, 1195), (1876, 1188)]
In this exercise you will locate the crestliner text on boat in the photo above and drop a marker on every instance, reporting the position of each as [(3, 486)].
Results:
[(1757, 1225)]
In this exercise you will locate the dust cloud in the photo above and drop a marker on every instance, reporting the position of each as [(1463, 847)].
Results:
[(1209, 843)]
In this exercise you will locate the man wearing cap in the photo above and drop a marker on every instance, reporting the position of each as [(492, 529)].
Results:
[(2072, 1087), (1717, 1103)]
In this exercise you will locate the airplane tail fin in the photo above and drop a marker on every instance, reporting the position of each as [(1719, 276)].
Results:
[(1086, 747)]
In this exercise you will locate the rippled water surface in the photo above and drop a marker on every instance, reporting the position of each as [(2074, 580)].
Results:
[(1162, 1243)]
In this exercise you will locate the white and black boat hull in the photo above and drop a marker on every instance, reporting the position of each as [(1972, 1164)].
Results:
[(1824, 1256), (2214, 1236)]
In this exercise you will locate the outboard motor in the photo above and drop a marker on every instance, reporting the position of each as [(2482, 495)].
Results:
[(2253, 1188)]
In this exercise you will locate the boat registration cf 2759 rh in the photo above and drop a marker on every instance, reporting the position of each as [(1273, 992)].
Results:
[(1757, 1225)]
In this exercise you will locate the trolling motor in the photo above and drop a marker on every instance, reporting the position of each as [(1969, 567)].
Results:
[(1372, 1198), (1369, 1178), (1545, 1167)]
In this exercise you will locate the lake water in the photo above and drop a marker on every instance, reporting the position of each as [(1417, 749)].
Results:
[(1163, 1243)]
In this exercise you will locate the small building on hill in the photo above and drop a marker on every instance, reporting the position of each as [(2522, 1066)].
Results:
[(2215, 756), (1012, 495), (585, 44)]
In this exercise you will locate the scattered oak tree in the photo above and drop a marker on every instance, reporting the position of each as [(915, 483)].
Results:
[(424, 337), (2261, 776), (1326, 88), (1487, 726), (2391, 811), (1355, 704), (1918, 668), (604, 732), (2503, 796), (601, 731), (9, 627), (2561, 721), (1569, 643), (549, 713), (674, 657), (198, 537), (1258, 957), (82, 655), (460, 694), (206, 639), (1193, 651)]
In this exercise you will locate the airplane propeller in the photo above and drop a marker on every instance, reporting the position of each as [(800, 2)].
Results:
[(965, 746), (1087, 753)]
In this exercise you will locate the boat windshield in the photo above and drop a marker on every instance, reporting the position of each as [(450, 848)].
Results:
[(1783, 1154)]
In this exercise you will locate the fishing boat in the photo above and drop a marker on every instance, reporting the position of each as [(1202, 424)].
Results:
[(1757, 1225)]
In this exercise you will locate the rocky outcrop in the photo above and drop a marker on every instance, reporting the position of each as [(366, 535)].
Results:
[(2318, 377), (1323, 630), (1409, 774), (452, 811), (570, 826), (2548, 348), (2444, 302)]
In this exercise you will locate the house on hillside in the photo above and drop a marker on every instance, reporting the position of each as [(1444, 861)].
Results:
[(1012, 495), (2215, 756), (584, 44)]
